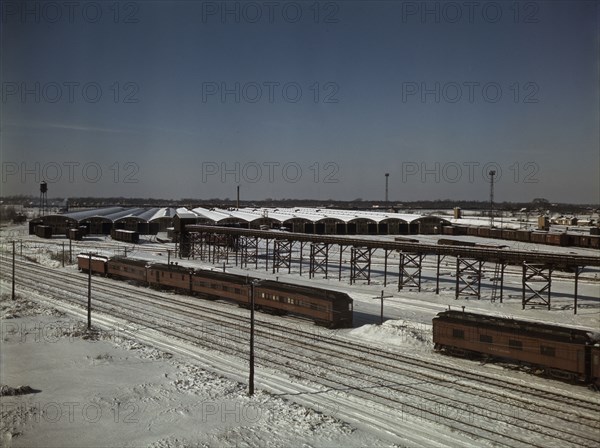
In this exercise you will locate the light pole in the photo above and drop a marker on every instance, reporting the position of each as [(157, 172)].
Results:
[(253, 283), (492, 174), (387, 175)]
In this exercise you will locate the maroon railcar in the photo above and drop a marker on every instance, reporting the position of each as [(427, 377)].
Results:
[(127, 269), (98, 263), (170, 276), (559, 351), (557, 239)]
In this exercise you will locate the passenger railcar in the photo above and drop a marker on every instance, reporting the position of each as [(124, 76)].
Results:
[(98, 263), (559, 351), (324, 307), (127, 269), (169, 275)]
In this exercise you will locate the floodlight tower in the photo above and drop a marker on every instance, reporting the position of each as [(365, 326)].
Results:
[(387, 176), (492, 174)]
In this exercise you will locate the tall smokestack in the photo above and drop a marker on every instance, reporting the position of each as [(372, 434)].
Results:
[(387, 176)]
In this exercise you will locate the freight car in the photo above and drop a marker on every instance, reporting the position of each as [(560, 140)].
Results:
[(563, 352), (128, 236), (75, 234), (325, 307), (43, 231)]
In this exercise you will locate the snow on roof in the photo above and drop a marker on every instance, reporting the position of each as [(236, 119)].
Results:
[(165, 212), (214, 215), (484, 221), (97, 212), (124, 213), (183, 212)]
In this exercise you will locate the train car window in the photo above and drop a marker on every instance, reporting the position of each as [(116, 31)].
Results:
[(485, 338), (459, 334), (517, 345), (238, 291), (183, 277), (547, 351)]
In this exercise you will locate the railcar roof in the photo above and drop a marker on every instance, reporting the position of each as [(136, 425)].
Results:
[(169, 267), (558, 331), (131, 261)]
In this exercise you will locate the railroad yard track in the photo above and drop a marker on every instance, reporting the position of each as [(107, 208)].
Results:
[(469, 402)]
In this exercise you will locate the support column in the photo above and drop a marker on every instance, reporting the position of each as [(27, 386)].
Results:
[(410, 270), (360, 264), (537, 280), (468, 277), (282, 255), (319, 257)]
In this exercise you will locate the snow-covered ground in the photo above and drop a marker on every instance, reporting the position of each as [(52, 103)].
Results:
[(150, 396), (110, 390)]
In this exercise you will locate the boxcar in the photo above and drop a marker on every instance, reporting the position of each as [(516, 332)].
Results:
[(509, 234), (495, 233), (538, 237), (557, 239), (595, 242), (595, 364), (460, 230), (127, 268), (128, 236), (472, 231), (484, 232), (523, 235), (43, 231), (560, 351), (75, 234), (99, 263), (449, 230)]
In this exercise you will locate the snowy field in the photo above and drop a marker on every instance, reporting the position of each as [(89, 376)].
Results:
[(129, 391)]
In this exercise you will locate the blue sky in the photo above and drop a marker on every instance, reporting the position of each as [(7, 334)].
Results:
[(302, 99)]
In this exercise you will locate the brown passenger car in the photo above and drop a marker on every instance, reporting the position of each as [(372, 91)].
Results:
[(170, 276), (99, 263), (560, 351), (127, 268)]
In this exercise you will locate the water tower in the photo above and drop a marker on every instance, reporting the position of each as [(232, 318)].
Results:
[(43, 197)]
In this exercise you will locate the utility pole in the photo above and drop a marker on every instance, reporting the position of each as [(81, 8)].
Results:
[(89, 309), (381, 297), (251, 378), (492, 174), (13, 272)]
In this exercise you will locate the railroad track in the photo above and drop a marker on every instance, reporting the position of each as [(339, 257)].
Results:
[(386, 381)]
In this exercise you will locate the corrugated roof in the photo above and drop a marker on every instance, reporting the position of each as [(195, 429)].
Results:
[(84, 214)]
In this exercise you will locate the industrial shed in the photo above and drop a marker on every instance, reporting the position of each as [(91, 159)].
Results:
[(317, 221)]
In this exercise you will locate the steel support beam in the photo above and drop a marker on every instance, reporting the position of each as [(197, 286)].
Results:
[(360, 264), (498, 281), (319, 257), (537, 280), (249, 251), (410, 270), (282, 255), (468, 277)]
